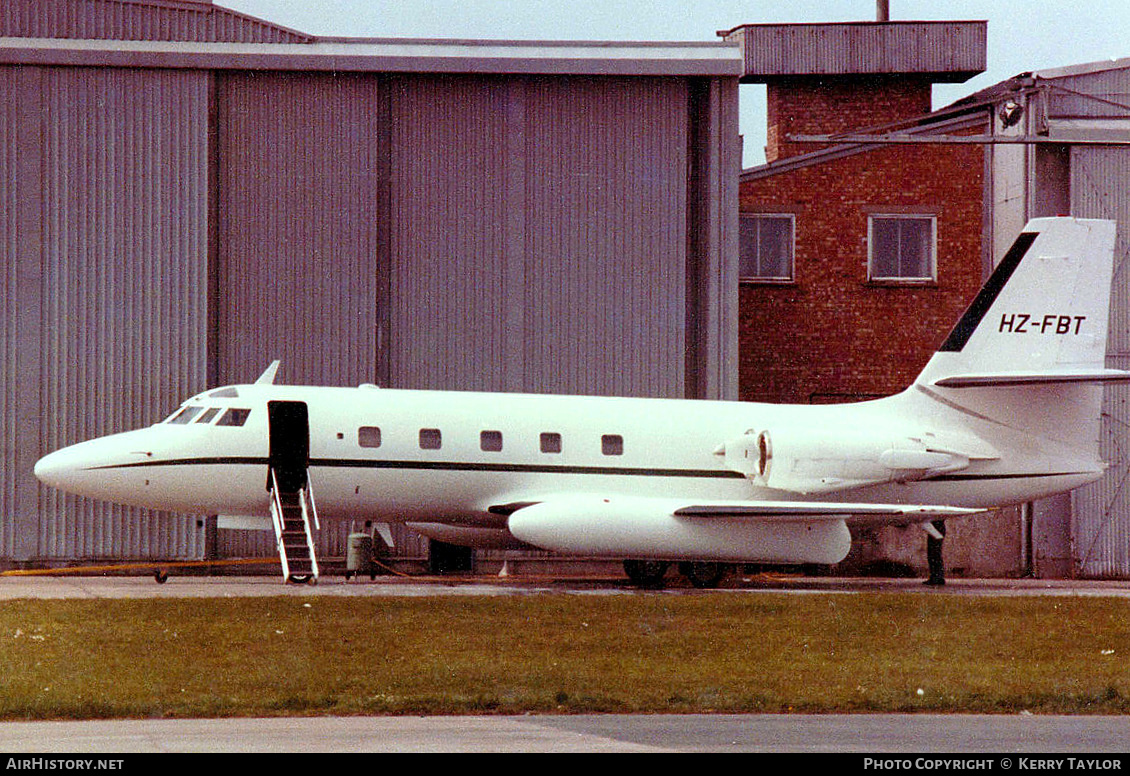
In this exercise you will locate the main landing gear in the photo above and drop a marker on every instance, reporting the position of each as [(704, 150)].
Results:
[(934, 557), (647, 574), (703, 575), (650, 574)]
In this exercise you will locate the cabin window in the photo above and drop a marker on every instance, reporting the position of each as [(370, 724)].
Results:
[(490, 441), (209, 413), (369, 436), (185, 415), (901, 248), (612, 444), (550, 442), (765, 247), (233, 417), (430, 439)]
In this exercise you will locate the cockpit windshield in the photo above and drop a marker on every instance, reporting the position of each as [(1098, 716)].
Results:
[(184, 416), (232, 416)]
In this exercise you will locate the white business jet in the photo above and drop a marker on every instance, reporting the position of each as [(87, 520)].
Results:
[(1005, 412)]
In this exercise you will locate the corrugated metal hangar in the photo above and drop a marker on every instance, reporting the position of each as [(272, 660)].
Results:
[(189, 193), (1072, 155)]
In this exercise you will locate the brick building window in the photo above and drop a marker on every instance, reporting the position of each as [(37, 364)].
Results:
[(902, 247), (765, 247)]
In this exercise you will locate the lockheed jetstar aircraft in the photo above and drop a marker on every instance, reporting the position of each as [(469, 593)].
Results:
[(1006, 411)]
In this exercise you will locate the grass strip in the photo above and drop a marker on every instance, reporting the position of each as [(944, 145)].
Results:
[(562, 654)]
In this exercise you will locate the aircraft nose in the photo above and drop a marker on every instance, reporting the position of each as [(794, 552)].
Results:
[(57, 469), (87, 469)]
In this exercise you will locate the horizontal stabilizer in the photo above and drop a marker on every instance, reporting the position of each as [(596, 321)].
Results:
[(1006, 379)]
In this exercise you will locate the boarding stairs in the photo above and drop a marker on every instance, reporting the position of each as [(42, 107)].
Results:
[(295, 518)]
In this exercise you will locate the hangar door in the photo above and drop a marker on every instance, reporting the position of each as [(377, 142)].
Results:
[(299, 212), (451, 232), (539, 235), (1100, 532), (103, 266), (300, 216)]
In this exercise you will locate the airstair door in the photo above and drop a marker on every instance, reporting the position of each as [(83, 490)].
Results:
[(290, 443), (292, 503)]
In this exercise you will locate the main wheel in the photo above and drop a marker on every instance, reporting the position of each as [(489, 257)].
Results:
[(703, 574), (646, 573)]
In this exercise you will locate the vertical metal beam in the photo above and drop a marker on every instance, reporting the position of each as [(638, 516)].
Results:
[(212, 315), (514, 347), (694, 371), (212, 368), (383, 259), (712, 241)]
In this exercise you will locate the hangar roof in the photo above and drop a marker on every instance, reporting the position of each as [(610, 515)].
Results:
[(138, 20), (400, 55), (197, 34), (949, 51)]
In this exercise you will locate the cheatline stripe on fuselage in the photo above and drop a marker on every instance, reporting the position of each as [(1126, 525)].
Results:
[(361, 463)]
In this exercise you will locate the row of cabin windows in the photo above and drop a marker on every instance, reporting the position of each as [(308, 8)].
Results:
[(899, 247), (490, 441)]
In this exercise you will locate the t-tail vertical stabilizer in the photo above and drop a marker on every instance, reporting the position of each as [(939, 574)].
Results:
[(1030, 352)]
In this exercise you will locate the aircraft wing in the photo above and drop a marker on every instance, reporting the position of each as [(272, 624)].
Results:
[(727, 530), (766, 511), (810, 511)]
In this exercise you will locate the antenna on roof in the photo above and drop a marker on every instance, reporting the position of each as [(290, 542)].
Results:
[(268, 375)]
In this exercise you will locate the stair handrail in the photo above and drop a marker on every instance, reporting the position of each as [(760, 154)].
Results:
[(276, 517), (313, 506), (306, 531)]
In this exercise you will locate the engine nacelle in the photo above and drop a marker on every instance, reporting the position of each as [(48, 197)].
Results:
[(825, 461), (648, 528)]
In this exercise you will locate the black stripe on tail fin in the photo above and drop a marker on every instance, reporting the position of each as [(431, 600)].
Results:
[(988, 294)]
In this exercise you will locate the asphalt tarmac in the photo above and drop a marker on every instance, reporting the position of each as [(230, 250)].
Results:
[(1022, 735), (880, 735), (15, 585)]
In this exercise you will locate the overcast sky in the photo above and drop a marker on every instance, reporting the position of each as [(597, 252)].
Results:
[(1024, 35)]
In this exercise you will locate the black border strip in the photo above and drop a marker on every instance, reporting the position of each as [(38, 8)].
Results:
[(988, 294)]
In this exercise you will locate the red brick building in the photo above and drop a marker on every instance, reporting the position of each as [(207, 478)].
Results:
[(886, 253), (857, 257)]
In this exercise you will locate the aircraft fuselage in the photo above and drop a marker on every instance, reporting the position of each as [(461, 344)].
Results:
[(402, 456)]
